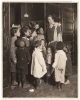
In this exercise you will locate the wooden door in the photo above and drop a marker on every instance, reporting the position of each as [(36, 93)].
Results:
[(68, 24), (6, 42)]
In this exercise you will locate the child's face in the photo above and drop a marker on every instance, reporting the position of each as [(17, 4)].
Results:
[(41, 30), (17, 33), (22, 44), (49, 50), (36, 26), (28, 33)]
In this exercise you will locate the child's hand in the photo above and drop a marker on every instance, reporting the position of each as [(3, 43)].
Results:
[(52, 70), (28, 62), (43, 69), (61, 70), (15, 61)]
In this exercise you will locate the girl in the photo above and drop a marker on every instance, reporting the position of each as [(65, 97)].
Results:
[(15, 33), (59, 65), (23, 58), (38, 66)]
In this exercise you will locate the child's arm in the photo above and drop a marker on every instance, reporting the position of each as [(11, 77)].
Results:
[(55, 60), (28, 56), (13, 51), (41, 61)]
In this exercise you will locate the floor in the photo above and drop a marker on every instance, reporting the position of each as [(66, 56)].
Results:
[(46, 90)]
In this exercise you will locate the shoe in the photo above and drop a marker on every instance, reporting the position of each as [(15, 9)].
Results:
[(26, 85), (67, 82), (40, 81), (14, 83)]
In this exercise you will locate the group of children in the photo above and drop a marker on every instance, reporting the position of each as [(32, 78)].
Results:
[(29, 51)]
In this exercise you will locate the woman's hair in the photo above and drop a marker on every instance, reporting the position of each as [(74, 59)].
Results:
[(60, 46), (52, 16), (23, 30), (13, 31), (36, 42)]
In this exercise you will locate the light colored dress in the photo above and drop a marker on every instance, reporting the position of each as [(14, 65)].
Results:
[(60, 65), (38, 66)]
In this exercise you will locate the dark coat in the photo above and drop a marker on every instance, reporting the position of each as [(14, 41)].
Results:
[(23, 57), (68, 70)]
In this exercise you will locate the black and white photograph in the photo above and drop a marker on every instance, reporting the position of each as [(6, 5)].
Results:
[(40, 49)]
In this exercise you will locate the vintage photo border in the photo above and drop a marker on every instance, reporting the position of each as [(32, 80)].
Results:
[(78, 41)]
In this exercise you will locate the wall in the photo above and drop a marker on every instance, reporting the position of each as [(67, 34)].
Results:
[(35, 12)]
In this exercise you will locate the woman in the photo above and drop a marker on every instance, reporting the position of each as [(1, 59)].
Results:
[(52, 33)]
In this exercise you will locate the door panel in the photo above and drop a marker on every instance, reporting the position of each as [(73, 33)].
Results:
[(68, 26)]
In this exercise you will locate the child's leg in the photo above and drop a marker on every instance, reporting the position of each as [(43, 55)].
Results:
[(13, 75), (25, 85), (61, 85), (58, 84), (19, 80), (37, 81), (47, 78)]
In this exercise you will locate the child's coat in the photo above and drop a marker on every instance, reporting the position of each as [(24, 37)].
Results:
[(38, 66), (59, 65)]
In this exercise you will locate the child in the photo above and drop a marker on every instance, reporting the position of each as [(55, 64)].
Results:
[(48, 62), (23, 58), (68, 71), (38, 66), (26, 35), (41, 34), (59, 65), (15, 33), (34, 31)]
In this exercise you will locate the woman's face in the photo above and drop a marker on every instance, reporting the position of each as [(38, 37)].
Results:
[(50, 20)]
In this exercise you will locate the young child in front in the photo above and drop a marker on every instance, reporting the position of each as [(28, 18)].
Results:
[(15, 32), (48, 63), (38, 66), (23, 59), (59, 65)]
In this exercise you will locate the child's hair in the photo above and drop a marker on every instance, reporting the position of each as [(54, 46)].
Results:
[(19, 41), (36, 42), (24, 29), (13, 31), (60, 46), (49, 47)]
